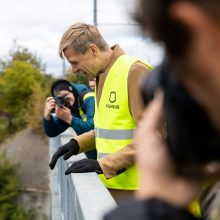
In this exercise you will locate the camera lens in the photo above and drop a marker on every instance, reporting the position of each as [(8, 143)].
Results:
[(60, 101)]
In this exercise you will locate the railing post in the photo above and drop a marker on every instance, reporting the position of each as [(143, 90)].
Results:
[(55, 210), (78, 196)]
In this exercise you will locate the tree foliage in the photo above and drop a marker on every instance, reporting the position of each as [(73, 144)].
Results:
[(22, 54), (9, 185), (18, 81), (24, 86), (23, 89)]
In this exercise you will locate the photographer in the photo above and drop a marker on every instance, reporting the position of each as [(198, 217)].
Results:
[(170, 178), (73, 105)]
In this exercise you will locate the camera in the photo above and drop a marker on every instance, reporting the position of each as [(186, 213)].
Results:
[(191, 138), (61, 101)]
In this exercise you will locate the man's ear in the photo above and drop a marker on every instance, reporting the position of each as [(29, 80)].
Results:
[(191, 15), (93, 49)]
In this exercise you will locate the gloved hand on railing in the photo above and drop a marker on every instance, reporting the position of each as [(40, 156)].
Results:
[(84, 166), (66, 150)]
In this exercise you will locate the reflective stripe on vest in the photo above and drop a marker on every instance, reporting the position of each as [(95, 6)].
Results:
[(114, 134), (88, 94), (114, 123), (82, 114), (101, 155)]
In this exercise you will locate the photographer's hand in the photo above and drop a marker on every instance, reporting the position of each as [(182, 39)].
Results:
[(49, 106), (64, 113), (84, 166), (66, 150)]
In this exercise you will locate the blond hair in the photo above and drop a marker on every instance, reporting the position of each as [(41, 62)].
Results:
[(79, 37)]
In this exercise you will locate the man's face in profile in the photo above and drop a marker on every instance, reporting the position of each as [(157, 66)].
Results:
[(82, 63)]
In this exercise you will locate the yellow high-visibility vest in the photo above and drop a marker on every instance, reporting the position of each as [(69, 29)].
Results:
[(114, 125), (194, 208), (87, 95)]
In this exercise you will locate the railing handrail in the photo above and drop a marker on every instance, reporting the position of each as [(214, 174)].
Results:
[(78, 196)]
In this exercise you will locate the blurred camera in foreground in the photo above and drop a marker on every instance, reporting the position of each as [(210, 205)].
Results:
[(191, 137)]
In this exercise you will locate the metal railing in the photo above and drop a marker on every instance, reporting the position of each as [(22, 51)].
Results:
[(79, 196)]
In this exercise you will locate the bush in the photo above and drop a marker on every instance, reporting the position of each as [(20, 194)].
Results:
[(9, 191)]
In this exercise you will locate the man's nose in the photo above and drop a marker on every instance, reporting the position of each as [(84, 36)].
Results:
[(75, 68)]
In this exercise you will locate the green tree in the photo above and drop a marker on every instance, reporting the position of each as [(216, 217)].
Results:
[(17, 86), (9, 185), (18, 80), (22, 54), (24, 87)]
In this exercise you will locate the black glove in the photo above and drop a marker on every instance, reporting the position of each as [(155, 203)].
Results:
[(84, 166), (68, 149)]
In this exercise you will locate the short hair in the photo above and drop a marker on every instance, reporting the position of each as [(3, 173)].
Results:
[(155, 18), (79, 37)]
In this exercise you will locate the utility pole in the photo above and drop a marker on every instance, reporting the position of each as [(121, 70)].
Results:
[(64, 67), (95, 13), (95, 24)]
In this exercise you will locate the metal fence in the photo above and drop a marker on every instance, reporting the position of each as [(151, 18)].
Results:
[(79, 196)]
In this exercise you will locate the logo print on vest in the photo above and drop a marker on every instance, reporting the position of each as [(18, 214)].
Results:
[(112, 97)]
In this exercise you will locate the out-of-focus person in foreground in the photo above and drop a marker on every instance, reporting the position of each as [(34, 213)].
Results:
[(173, 176)]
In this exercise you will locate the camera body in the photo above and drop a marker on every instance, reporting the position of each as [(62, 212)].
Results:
[(191, 137), (61, 101)]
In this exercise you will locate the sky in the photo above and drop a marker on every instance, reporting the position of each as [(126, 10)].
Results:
[(39, 24)]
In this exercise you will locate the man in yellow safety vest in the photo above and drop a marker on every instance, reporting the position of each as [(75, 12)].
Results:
[(118, 108)]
